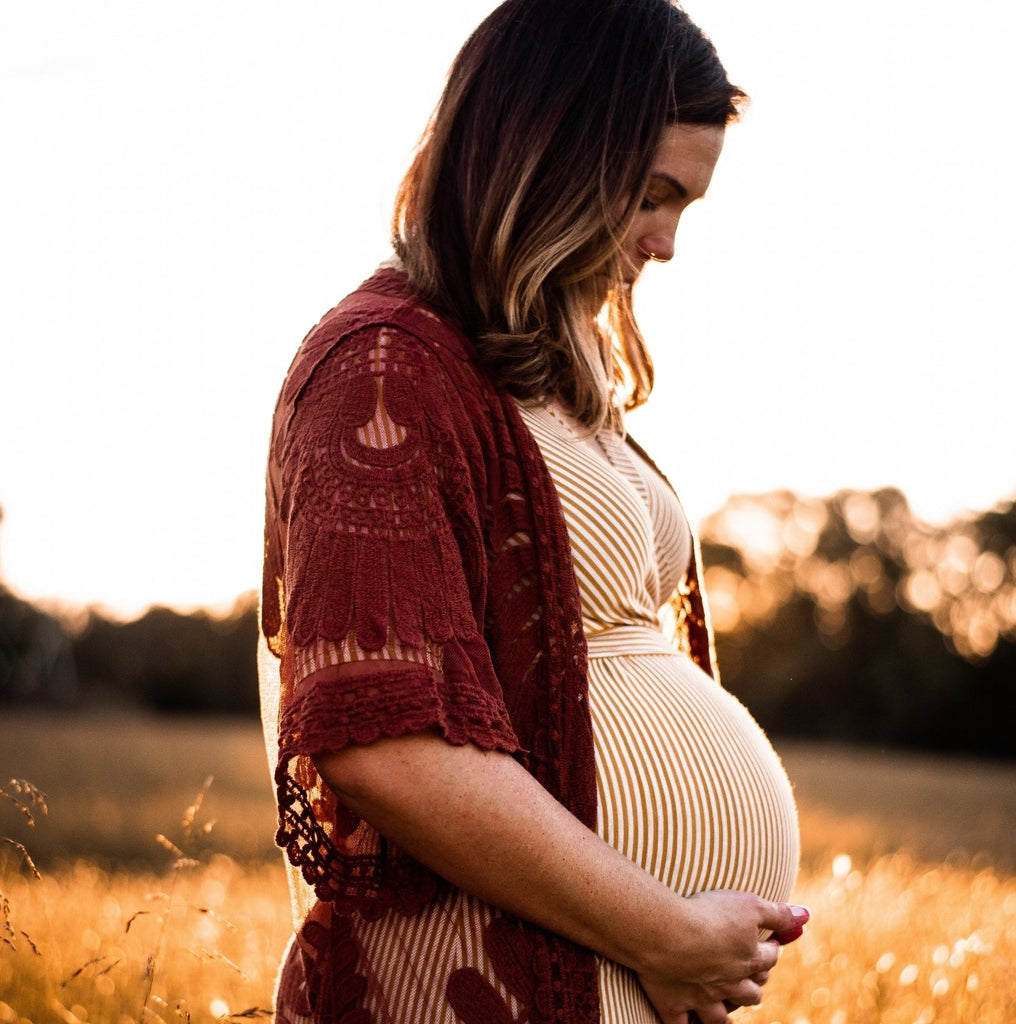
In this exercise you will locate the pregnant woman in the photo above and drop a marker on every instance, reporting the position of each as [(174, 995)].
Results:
[(511, 787)]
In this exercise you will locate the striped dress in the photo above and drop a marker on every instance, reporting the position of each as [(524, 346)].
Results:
[(688, 785)]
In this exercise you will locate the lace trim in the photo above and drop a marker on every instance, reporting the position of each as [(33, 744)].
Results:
[(341, 857)]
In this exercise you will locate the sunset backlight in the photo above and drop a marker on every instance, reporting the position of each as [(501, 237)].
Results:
[(188, 189)]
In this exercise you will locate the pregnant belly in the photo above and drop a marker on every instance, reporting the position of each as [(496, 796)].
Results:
[(688, 785)]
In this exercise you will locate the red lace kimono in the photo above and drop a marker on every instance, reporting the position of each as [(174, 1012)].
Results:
[(448, 546)]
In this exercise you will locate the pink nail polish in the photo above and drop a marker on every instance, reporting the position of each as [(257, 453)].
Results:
[(790, 935)]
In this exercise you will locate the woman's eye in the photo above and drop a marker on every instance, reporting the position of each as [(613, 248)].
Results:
[(649, 205)]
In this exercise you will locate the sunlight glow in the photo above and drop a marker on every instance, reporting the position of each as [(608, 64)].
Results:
[(864, 550), (196, 185)]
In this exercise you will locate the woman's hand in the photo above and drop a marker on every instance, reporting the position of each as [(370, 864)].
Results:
[(726, 963)]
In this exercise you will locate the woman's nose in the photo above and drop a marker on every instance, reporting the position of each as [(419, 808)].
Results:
[(658, 245)]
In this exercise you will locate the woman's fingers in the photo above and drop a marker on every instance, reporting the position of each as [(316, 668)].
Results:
[(716, 1014), (734, 963), (788, 931), (769, 955), (795, 931), (747, 993)]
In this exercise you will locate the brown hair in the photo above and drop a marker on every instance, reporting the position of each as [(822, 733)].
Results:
[(508, 216)]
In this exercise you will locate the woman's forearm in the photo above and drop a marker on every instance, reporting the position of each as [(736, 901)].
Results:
[(480, 820)]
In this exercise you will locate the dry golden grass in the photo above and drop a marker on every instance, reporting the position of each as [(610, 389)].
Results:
[(895, 942), (201, 944), (922, 937), (892, 942), (113, 781)]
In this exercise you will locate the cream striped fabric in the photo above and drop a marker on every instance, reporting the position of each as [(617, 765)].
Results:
[(322, 654), (629, 538), (381, 431), (688, 785), (412, 957)]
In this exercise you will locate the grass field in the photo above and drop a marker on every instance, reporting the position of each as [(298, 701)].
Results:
[(908, 867)]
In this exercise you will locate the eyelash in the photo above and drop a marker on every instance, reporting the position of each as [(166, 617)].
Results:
[(648, 206)]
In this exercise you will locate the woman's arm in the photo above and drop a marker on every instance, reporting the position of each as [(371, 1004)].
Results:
[(480, 820)]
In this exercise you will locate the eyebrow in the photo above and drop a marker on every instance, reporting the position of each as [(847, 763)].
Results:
[(672, 182)]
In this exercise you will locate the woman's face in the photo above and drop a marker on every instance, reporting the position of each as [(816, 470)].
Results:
[(681, 171)]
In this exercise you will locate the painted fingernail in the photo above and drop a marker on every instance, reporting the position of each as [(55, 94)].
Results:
[(790, 934), (800, 914)]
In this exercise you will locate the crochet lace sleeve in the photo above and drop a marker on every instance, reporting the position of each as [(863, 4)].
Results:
[(383, 559), (375, 579)]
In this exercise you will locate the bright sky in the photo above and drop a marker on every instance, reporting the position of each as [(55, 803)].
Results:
[(186, 187)]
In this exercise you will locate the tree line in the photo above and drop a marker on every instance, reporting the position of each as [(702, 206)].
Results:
[(840, 618), (858, 622)]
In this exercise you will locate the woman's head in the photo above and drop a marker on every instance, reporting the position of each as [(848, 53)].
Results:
[(532, 169)]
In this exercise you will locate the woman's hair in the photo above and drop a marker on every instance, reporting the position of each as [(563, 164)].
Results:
[(531, 170)]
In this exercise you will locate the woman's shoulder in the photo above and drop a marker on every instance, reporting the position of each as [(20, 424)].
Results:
[(383, 313), (383, 306), (387, 299), (384, 338)]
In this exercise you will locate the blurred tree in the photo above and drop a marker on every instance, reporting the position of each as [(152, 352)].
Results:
[(36, 664), (35, 654), (840, 618), (848, 618), (170, 661)]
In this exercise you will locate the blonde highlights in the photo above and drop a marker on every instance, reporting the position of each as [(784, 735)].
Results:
[(512, 213)]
